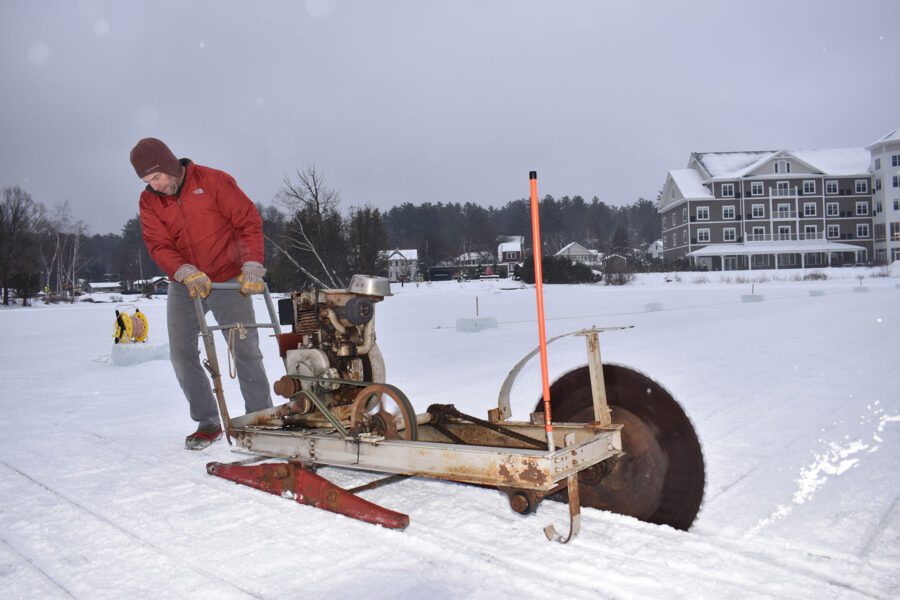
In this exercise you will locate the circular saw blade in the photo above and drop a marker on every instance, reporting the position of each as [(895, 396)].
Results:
[(660, 478)]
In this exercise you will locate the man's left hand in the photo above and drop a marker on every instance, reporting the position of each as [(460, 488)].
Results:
[(251, 278)]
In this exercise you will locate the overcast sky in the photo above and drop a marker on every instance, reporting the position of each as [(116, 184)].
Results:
[(418, 101)]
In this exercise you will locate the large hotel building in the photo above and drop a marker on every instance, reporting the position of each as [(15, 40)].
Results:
[(785, 208)]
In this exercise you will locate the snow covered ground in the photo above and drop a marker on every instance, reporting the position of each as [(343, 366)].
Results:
[(795, 400)]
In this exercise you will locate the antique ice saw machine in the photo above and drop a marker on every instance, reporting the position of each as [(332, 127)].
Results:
[(602, 435)]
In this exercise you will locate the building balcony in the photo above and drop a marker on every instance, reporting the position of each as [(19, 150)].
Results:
[(784, 214), (778, 237), (783, 193)]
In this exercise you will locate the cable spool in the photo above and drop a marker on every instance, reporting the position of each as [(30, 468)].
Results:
[(131, 328)]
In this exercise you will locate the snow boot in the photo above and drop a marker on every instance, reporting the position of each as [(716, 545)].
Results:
[(203, 437)]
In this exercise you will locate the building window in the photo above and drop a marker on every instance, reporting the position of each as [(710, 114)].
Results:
[(782, 188), (810, 232), (784, 211), (809, 186), (728, 213), (877, 184), (728, 234), (684, 237), (862, 230), (862, 185), (877, 163), (895, 160), (834, 231), (896, 181), (896, 204), (878, 206), (760, 260), (758, 235), (784, 232), (758, 211), (703, 213), (862, 209), (664, 222), (879, 231), (809, 209), (782, 166), (831, 187), (684, 215), (728, 190), (703, 236), (831, 209), (895, 231), (756, 188)]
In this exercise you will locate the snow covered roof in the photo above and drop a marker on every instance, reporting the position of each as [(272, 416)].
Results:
[(510, 247), (731, 164), (831, 161), (474, 256), (774, 247), (893, 136), (104, 285), (837, 161), (574, 248), (408, 254), (156, 279), (690, 184)]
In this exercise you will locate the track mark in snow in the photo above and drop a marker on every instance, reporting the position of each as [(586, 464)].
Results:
[(834, 462), (31, 564), (127, 532)]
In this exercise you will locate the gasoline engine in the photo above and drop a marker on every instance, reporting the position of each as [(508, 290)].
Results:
[(331, 349)]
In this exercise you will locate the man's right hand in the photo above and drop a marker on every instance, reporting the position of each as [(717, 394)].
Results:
[(196, 281)]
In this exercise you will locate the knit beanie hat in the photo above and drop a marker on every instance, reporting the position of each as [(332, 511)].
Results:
[(151, 155)]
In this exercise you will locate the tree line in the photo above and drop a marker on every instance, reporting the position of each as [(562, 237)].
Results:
[(309, 240)]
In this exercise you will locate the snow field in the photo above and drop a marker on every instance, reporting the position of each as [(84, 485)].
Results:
[(794, 400)]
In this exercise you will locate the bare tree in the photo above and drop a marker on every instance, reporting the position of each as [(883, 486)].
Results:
[(62, 250), (314, 230), (73, 260), (19, 217)]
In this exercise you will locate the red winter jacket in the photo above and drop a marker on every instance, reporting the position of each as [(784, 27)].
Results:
[(209, 223)]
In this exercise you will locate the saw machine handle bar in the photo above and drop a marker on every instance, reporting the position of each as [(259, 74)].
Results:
[(212, 361), (273, 324)]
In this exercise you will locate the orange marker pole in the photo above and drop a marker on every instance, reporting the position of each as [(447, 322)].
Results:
[(539, 288)]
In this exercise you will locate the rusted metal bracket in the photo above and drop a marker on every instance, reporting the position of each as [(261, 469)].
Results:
[(292, 480), (574, 506), (503, 411)]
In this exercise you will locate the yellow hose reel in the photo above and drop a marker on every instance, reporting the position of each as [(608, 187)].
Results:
[(131, 328)]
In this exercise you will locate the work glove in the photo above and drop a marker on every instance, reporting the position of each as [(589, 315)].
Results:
[(251, 278), (196, 281)]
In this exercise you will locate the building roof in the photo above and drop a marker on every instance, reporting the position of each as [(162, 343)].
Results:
[(831, 161), (510, 247), (837, 161), (893, 136), (774, 247), (731, 164), (577, 249), (102, 285), (156, 279), (408, 254), (690, 184), (474, 256)]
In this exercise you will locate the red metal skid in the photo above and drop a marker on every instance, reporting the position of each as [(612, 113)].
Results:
[(291, 480)]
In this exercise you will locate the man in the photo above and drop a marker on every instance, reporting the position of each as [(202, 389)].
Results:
[(201, 228)]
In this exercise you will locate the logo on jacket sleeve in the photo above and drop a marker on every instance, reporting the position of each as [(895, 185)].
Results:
[(198, 191)]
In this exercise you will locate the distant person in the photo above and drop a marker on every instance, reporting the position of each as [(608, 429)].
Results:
[(201, 228)]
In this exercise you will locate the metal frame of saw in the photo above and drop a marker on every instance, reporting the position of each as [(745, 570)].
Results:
[(485, 457)]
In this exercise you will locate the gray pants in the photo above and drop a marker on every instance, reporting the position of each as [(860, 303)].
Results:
[(228, 306)]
